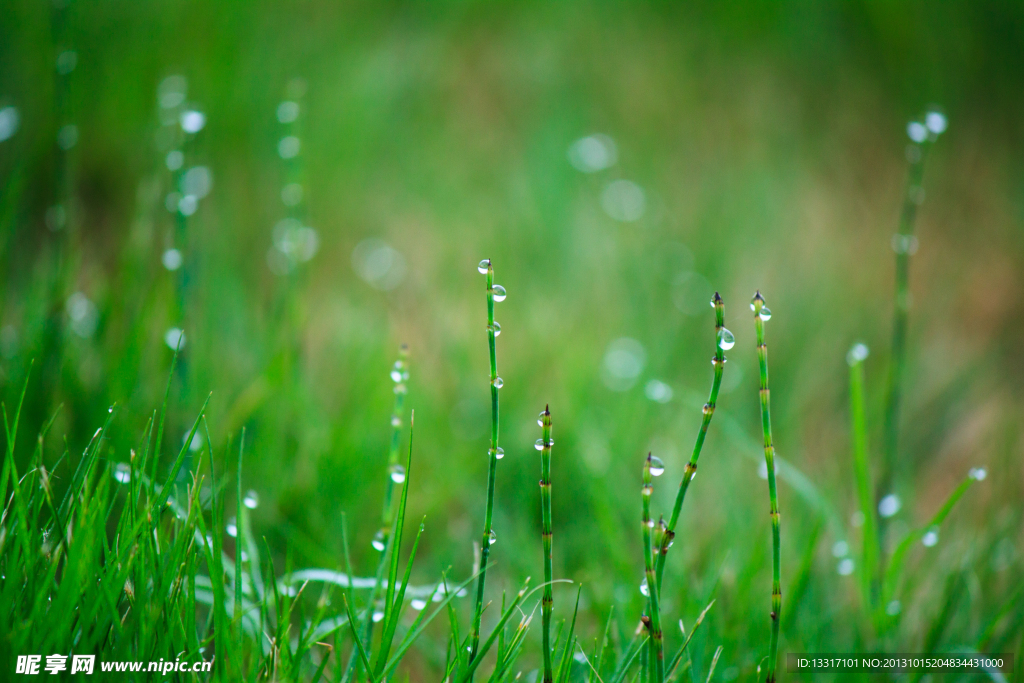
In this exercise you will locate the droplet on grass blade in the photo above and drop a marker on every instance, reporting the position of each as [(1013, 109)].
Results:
[(845, 567), (397, 473), (192, 121), (643, 588), (539, 444), (936, 122), (378, 541), (889, 505), (978, 473), (765, 314), (377, 616), (483, 266), (417, 604), (496, 328), (123, 473), (726, 340), (492, 538), (499, 292), (658, 391), (171, 259), (840, 549), (931, 537), (288, 147), (175, 338), (499, 453), (174, 160), (893, 608), (857, 353), (656, 465), (232, 528), (917, 131), (498, 382), (251, 500), (287, 111)]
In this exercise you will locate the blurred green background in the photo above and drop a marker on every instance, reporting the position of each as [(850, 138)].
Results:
[(618, 162)]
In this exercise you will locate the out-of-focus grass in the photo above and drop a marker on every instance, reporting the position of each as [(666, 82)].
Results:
[(767, 140)]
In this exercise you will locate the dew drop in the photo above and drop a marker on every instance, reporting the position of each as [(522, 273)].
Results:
[(936, 122), (497, 382), (418, 604), (845, 567), (540, 443), (483, 266), (492, 538), (496, 328), (396, 376), (931, 537), (840, 549), (540, 419), (498, 454), (378, 541), (378, 616), (889, 505), (123, 473), (726, 340), (396, 421), (917, 131), (708, 409), (499, 292), (232, 528), (893, 608), (657, 466), (397, 473), (251, 500), (765, 314), (643, 588), (857, 353), (978, 473)]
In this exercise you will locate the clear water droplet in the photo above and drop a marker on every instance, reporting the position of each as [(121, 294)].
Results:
[(232, 528), (251, 500), (840, 549), (492, 538), (726, 340), (540, 419), (765, 314), (893, 608), (978, 473), (857, 353), (123, 473), (418, 604), (496, 328), (498, 382), (397, 473), (498, 454), (396, 421), (378, 541), (889, 505), (643, 588), (499, 292), (917, 131), (396, 376), (931, 537), (646, 491), (708, 409), (483, 266), (540, 443), (657, 466), (936, 122), (845, 567), (378, 616)]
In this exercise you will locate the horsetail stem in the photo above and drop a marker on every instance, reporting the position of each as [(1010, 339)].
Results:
[(657, 652), (723, 340), (494, 293), (546, 537), (858, 433), (922, 134), (761, 313), (396, 473)]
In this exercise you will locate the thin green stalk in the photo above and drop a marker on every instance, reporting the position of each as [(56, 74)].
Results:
[(761, 313), (493, 454), (396, 473), (904, 244), (657, 655), (858, 432), (723, 340), (546, 537)]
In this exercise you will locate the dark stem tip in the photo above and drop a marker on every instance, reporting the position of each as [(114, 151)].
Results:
[(718, 299), (547, 408)]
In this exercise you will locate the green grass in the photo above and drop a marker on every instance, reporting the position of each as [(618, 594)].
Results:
[(764, 156)]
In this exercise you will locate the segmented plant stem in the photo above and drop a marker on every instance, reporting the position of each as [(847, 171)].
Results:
[(400, 375), (709, 410), (769, 459), (894, 389), (858, 434), (492, 466), (546, 537), (657, 656)]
